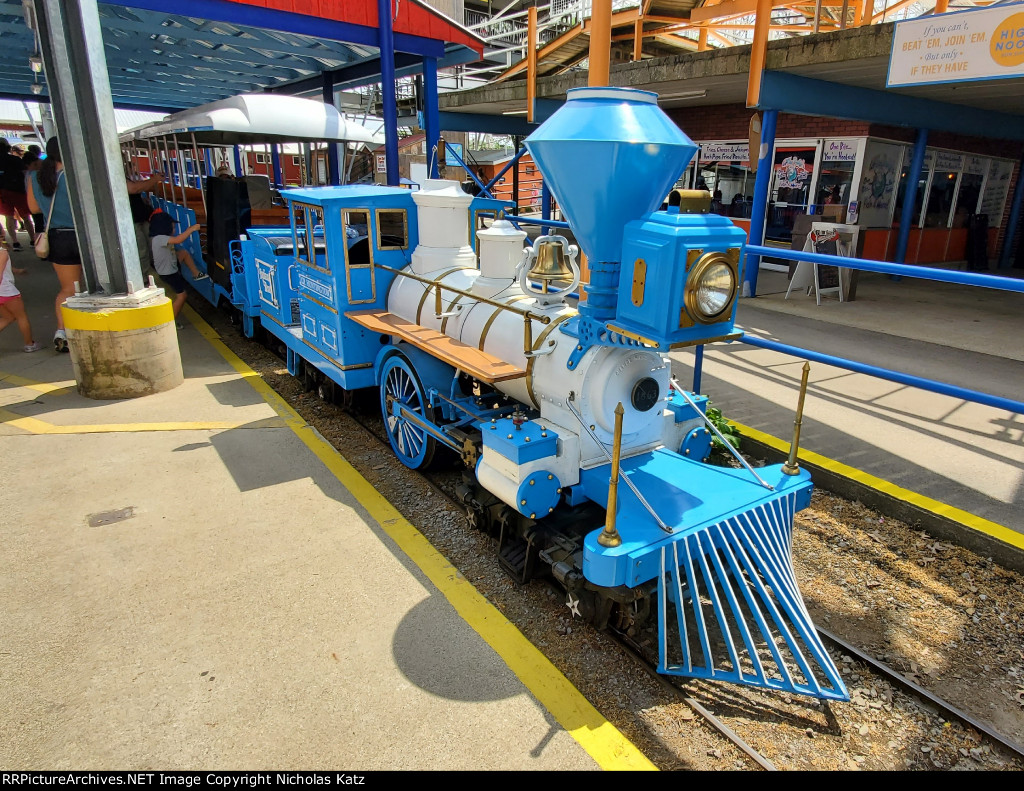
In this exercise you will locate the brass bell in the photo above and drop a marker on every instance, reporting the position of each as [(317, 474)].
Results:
[(550, 263)]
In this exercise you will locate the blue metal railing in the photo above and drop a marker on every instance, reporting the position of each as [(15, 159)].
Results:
[(883, 267), (515, 218), (893, 376), (906, 270), (451, 152)]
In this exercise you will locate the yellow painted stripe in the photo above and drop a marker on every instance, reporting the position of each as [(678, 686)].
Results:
[(602, 740), (36, 426), (119, 319), (972, 521), (52, 388)]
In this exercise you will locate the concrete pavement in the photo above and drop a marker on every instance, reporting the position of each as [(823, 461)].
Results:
[(175, 597), (196, 579)]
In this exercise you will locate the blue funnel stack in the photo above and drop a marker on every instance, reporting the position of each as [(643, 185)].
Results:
[(609, 156)]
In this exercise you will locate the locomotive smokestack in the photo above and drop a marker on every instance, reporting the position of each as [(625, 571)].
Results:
[(609, 156)]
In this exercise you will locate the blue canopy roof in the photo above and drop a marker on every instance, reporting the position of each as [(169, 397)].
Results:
[(207, 50)]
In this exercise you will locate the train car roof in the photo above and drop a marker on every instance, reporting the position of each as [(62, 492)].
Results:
[(259, 118), (348, 192)]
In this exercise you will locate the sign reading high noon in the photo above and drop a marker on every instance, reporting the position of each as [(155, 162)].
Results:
[(983, 44)]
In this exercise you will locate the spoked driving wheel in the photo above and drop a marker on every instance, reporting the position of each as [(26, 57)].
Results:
[(400, 387)]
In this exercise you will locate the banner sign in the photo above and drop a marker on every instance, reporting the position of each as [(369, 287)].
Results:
[(984, 44), (840, 151), (976, 166), (724, 152), (947, 160)]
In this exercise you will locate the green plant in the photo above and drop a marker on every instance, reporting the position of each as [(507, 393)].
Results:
[(719, 452)]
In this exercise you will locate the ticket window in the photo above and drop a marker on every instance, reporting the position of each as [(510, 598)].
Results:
[(967, 198), (922, 186), (835, 184), (940, 199), (732, 184)]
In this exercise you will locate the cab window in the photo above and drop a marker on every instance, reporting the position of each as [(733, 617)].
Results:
[(392, 229)]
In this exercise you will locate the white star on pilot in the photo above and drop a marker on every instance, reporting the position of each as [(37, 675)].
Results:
[(574, 606)]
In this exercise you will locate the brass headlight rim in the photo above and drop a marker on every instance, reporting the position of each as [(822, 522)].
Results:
[(697, 273)]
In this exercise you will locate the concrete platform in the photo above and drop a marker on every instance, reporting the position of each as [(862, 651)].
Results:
[(928, 454), (177, 598), (228, 622)]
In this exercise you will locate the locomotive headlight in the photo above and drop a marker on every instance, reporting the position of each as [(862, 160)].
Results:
[(710, 288)]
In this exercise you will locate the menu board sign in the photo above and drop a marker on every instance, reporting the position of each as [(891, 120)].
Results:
[(996, 187), (724, 152)]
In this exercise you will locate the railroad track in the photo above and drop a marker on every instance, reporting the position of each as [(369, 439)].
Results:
[(373, 428), (671, 687)]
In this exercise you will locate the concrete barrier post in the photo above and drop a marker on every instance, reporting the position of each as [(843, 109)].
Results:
[(123, 346)]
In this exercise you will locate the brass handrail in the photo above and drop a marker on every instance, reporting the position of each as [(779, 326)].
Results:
[(526, 314)]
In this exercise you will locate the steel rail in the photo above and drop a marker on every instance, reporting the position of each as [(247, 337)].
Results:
[(636, 654), (942, 388), (917, 689)]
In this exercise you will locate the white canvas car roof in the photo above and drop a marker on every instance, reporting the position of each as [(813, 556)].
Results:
[(249, 119)]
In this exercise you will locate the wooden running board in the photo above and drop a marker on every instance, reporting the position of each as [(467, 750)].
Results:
[(470, 359)]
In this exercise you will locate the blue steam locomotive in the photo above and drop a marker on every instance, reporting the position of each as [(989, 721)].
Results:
[(584, 457)]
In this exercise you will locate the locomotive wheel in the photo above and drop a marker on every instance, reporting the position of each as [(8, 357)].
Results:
[(413, 446)]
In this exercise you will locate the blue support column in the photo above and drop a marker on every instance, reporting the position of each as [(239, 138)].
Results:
[(759, 209), (238, 162), (275, 163), (517, 141), (698, 366), (910, 198), (387, 86), (431, 114), (545, 205), (333, 161), (1011, 226), (211, 171)]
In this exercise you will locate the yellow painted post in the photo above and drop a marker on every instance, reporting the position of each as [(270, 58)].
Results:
[(941, 6), (123, 346), (702, 39), (758, 51), (600, 43), (531, 61)]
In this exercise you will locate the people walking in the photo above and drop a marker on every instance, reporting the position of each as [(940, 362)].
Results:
[(12, 306), (48, 195), (12, 194)]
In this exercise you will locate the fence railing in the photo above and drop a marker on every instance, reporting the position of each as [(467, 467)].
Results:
[(883, 267)]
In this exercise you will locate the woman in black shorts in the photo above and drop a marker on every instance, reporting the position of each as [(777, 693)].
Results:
[(48, 189)]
